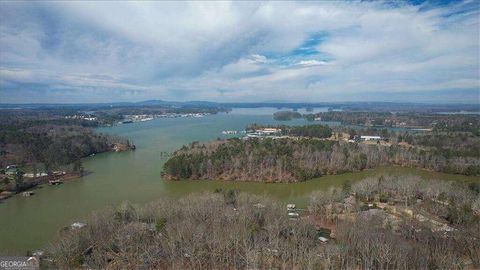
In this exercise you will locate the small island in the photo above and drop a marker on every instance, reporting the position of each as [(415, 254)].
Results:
[(286, 115)]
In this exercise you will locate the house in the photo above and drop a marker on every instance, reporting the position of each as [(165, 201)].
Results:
[(78, 225), (259, 206), (370, 138), (11, 170), (32, 175), (291, 207), (38, 253), (293, 215), (323, 239), (269, 131), (11, 167), (265, 133)]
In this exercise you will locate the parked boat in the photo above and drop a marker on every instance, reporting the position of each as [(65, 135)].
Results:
[(27, 193), (55, 182)]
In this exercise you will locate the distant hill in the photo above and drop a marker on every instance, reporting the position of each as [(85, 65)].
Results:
[(350, 106)]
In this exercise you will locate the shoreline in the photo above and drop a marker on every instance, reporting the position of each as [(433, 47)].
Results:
[(41, 181), (387, 169), (63, 176)]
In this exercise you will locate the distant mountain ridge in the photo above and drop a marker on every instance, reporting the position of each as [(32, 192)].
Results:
[(355, 106)]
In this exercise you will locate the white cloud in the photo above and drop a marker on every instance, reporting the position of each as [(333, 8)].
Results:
[(255, 50), (311, 63), (258, 58)]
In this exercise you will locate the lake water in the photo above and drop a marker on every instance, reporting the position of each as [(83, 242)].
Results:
[(270, 111), (28, 223)]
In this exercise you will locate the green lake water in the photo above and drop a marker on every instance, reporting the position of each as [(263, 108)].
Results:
[(29, 223)]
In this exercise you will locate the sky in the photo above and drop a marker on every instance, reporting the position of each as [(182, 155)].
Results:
[(327, 51)]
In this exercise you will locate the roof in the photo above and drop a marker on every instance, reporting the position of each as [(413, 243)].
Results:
[(323, 239)]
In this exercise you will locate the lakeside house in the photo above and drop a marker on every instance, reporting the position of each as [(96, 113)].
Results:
[(32, 175), (293, 215), (265, 133), (365, 138), (370, 138), (323, 239), (82, 117), (11, 170), (77, 225), (291, 207)]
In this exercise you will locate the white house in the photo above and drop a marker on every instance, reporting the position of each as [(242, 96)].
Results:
[(370, 138)]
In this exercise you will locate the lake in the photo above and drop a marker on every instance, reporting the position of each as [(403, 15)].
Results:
[(28, 223)]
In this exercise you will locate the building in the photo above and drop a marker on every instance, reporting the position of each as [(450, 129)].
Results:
[(370, 138), (11, 170), (269, 131), (11, 167), (323, 239), (265, 133), (293, 215), (77, 225)]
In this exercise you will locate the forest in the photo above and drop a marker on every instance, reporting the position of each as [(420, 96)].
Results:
[(382, 222), (305, 157), (439, 122), (44, 141), (286, 115), (53, 145)]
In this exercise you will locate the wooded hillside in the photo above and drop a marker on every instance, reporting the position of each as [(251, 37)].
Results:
[(292, 160)]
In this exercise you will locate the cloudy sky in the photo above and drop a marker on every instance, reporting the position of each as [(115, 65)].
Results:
[(67, 52)]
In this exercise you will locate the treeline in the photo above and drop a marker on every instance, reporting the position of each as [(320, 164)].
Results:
[(440, 122), (312, 131), (52, 145), (446, 144), (53, 136), (292, 160), (25, 118), (231, 230), (286, 115)]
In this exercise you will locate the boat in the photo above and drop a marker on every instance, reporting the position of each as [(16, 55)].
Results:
[(55, 182), (27, 193)]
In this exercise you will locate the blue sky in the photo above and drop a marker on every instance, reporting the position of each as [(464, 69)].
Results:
[(68, 52)]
